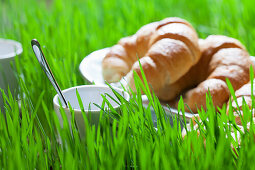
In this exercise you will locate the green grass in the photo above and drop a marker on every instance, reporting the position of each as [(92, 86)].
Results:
[(68, 31)]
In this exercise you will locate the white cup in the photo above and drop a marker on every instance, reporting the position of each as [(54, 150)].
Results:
[(8, 50), (89, 94)]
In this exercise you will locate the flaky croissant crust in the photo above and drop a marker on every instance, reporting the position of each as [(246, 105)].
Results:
[(167, 50), (175, 62)]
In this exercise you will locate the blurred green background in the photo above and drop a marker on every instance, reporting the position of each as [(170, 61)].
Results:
[(68, 31)]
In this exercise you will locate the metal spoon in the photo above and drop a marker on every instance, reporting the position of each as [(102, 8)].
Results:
[(45, 66)]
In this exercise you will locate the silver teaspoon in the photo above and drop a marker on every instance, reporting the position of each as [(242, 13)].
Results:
[(45, 66)]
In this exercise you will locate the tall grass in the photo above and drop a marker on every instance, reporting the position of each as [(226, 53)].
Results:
[(68, 31)]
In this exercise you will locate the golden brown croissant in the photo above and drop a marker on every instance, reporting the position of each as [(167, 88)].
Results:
[(167, 49), (174, 50), (222, 57), (121, 57), (200, 71)]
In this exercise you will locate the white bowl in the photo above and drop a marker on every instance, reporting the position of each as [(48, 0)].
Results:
[(89, 94), (8, 50)]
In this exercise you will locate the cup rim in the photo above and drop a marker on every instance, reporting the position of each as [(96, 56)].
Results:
[(55, 101), (18, 51)]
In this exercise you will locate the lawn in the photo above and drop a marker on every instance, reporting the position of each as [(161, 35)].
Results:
[(70, 30)]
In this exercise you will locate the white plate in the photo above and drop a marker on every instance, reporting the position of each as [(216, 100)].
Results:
[(91, 70)]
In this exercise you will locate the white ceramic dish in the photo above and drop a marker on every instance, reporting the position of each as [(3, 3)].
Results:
[(89, 94), (8, 50), (91, 70)]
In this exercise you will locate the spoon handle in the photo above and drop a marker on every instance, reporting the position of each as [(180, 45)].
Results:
[(45, 66)]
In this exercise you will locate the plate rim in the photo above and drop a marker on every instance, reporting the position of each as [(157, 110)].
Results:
[(83, 62)]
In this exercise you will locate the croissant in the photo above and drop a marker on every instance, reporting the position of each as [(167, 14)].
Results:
[(243, 93), (222, 57), (174, 49), (167, 49)]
